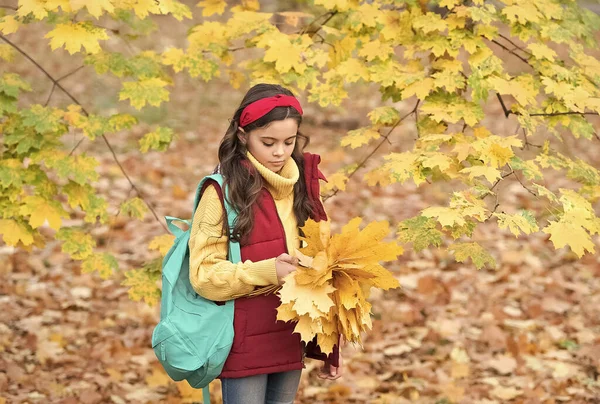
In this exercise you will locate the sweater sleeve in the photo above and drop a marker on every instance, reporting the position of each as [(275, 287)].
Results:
[(212, 276)]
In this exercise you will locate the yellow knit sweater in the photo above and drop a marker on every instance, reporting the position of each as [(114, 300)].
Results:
[(212, 276)]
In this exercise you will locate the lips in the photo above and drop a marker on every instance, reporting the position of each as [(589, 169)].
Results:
[(277, 162)]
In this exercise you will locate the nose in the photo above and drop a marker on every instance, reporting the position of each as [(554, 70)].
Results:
[(278, 150)]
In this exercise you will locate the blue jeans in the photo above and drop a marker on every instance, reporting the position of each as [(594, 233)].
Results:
[(274, 388)]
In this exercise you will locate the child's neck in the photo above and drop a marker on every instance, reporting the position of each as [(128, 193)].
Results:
[(280, 184)]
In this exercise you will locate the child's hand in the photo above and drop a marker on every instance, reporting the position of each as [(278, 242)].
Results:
[(330, 372), (285, 264)]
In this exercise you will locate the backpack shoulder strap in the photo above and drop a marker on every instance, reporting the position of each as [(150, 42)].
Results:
[(234, 246)]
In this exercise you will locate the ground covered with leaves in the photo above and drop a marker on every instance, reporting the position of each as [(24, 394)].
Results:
[(525, 332)]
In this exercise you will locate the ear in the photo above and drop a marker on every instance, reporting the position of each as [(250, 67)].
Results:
[(243, 136)]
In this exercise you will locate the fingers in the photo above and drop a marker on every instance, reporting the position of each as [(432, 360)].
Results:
[(332, 373), (289, 259)]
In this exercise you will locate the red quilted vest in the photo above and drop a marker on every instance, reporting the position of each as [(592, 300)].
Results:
[(261, 343)]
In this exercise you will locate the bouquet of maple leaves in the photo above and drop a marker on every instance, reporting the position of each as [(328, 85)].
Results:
[(327, 295)]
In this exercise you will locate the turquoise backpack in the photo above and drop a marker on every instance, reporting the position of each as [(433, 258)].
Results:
[(194, 335)]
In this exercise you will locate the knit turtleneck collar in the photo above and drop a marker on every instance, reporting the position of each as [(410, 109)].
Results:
[(281, 184)]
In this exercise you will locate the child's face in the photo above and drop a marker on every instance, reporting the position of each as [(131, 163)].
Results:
[(272, 146)]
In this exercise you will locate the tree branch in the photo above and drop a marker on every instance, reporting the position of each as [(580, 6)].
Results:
[(54, 86), (506, 111), (383, 140), (329, 14), (57, 84), (511, 51), (129, 179), (496, 204), (515, 45), (503, 176), (520, 182), (10, 7), (565, 113)]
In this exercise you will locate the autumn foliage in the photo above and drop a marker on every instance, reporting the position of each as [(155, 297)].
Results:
[(441, 58), (473, 99), (327, 295)]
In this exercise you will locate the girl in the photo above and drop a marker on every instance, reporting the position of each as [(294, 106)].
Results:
[(274, 187)]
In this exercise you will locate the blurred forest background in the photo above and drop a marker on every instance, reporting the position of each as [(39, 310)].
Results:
[(526, 332)]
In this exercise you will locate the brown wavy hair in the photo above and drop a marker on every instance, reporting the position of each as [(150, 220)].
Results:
[(243, 181)]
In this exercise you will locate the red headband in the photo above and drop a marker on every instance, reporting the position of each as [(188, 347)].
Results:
[(260, 108)]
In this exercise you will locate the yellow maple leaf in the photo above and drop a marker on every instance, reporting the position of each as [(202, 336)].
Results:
[(450, 79), (330, 297), (95, 8), (446, 216), (7, 52), (524, 221), (306, 327), (8, 24), (376, 49), (74, 36), (420, 88), (521, 87), (162, 243), (542, 51), (336, 181), (37, 7), (14, 232), (285, 50), (490, 173), (351, 70), (105, 264), (566, 232), (311, 300), (436, 159), (236, 79), (317, 233), (210, 7), (359, 137), (522, 13), (327, 341), (246, 5), (340, 5), (41, 209), (379, 176), (286, 312), (341, 50)]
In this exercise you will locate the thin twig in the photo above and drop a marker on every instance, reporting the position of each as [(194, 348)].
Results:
[(515, 45), (527, 143), (43, 71), (496, 204), (50, 95), (503, 176), (520, 182), (76, 146), (565, 113), (129, 179), (506, 111), (383, 140), (57, 84), (329, 17), (511, 51), (54, 86)]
